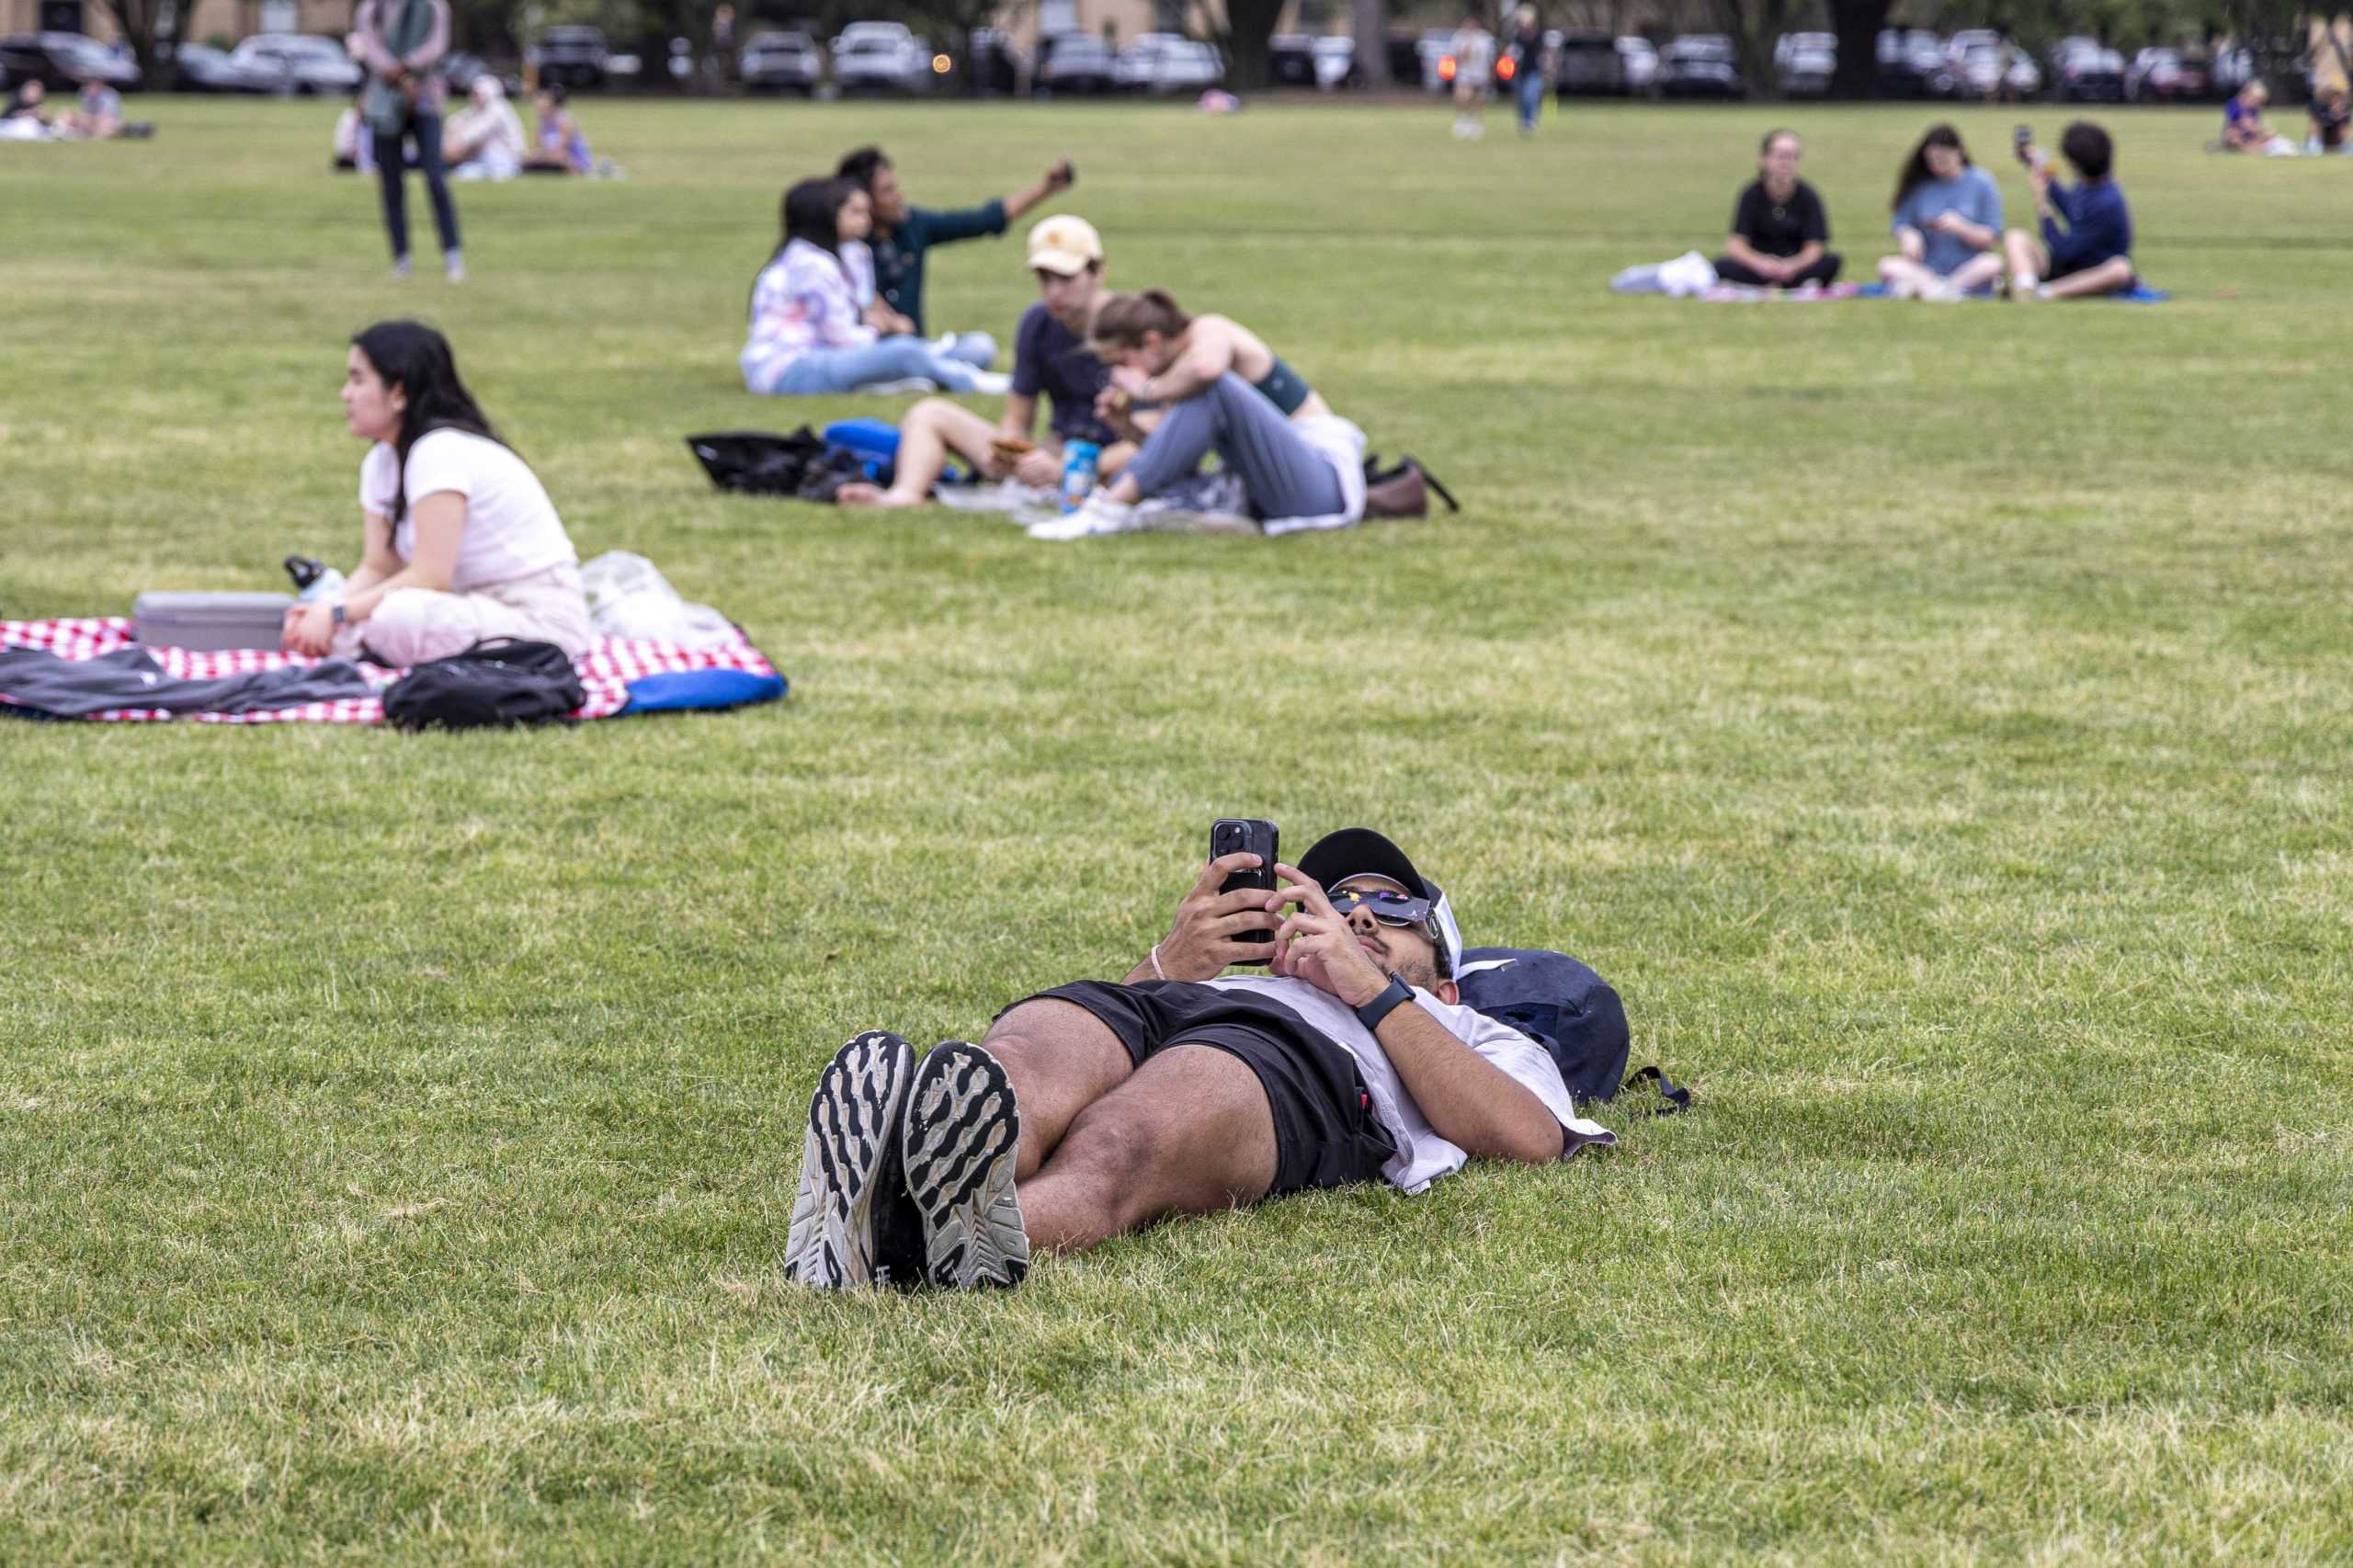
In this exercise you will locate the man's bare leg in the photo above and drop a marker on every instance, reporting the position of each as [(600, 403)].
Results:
[(1061, 1058), (932, 429), (2110, 276), (1190, 1132)]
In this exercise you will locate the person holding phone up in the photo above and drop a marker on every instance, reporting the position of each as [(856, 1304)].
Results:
[(1095, 1109), (2089, 253)]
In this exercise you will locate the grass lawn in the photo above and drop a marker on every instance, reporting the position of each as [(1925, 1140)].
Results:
[(1934, 720)]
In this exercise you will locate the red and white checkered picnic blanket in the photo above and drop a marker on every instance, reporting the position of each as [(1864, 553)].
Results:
[(606, 669)]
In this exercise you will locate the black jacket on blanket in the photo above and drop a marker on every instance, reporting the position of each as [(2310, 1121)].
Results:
[(37, 680)]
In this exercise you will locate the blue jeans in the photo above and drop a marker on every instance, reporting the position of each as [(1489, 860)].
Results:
[(391, 173), (1531, 95), (824, 370), (1283, 475)]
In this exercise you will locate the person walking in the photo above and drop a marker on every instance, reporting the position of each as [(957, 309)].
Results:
[(401, 43), (1525, 52)]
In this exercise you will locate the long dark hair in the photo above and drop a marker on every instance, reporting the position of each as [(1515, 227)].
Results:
[(811, 211), (1915, 167), (412, 357)]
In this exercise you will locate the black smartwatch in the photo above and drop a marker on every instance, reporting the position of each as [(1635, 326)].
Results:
[(1395, 994)]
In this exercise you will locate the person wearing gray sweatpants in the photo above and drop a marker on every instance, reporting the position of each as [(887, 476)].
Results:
[(1220, 389)]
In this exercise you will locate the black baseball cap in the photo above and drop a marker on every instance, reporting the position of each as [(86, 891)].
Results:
[(1359, 852)]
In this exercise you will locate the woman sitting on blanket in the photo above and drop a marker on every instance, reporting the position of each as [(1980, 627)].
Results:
[(1780, 233), (458, 540), (1220, 389), (808, 337), (1948, 223)]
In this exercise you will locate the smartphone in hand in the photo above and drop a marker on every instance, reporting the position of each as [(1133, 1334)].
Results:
[(1248, 835)]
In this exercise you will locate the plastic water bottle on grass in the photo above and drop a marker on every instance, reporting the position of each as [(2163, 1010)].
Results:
[(1081, 461)]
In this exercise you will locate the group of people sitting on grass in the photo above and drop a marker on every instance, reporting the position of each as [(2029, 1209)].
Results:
[(95, 115), (1153, 387), (484, 140), (2245, 130), (1950, 243)]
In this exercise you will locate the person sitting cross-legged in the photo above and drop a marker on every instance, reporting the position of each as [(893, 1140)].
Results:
[(2092, 254), (1780, 232), (1050, 356), (1948, 223), (1215, 386), (460, 540), (1094, 1109)]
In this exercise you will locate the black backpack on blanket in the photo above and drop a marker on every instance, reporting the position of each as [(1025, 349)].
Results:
[(498, 682), (1565, 1008)]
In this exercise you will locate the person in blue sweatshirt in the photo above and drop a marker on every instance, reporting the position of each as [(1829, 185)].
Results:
[(2085, 248)]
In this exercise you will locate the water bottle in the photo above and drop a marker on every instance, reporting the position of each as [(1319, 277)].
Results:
[(314, 581), (1080, 462)]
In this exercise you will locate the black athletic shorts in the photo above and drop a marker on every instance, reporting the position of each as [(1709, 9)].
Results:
[(1326, 1133)]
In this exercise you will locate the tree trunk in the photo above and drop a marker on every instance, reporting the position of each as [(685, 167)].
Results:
[(136, 20), (1250, 30), (1858, 25), (1370, 22)]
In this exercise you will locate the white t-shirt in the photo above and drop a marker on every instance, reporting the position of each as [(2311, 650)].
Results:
[(1474, 56), (511, 526), (1422, 1155)]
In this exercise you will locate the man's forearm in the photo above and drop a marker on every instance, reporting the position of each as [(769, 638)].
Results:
[(1468, 1099), (1020, 201)]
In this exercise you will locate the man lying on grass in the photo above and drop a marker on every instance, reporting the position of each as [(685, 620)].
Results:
[(1094, 1109)]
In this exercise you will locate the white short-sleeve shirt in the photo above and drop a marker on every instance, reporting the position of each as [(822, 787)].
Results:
[(1422, 1155), (511, 529)]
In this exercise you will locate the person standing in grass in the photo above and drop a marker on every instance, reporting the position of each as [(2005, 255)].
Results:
[(1525, 52), (903, 233), (1948, 223), (808, 337), (1050, 356), (401, 43), (1218, 387), (459, 539), (1780, 235), (2090, 253), (1472, 49), (1092, 1109)]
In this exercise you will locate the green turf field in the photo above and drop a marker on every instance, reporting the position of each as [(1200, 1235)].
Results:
[(1935, 720)]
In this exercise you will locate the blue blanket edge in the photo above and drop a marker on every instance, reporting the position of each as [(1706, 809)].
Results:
[(681, 689)]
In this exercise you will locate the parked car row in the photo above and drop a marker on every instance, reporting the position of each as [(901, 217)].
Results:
[(888, 58)]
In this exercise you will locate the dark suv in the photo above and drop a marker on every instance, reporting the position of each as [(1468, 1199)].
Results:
[(572, 57)]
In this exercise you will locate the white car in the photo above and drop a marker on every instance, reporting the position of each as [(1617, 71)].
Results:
[(316, 64), (1335, 58), (1164, 62), (880, 57), (1640, 62)]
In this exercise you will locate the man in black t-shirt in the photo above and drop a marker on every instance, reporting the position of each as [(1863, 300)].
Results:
[(1050, 356), (1779, 232)]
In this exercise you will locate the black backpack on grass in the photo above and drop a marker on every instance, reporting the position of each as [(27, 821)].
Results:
[(1565, 1008), (803, 466), (498, 682)]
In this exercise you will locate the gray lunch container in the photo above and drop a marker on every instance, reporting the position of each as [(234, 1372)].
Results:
[(208, 622)]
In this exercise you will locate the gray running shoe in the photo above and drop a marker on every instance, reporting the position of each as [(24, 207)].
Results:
[(964, 1135), (849, 1171)]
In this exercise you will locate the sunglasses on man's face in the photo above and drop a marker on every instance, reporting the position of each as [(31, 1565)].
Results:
[(1389, 908)]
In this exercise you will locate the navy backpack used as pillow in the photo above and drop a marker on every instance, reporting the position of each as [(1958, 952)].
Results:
[(1568, 1009)]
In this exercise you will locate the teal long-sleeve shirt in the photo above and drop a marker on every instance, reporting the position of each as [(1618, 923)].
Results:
[(898, 257)]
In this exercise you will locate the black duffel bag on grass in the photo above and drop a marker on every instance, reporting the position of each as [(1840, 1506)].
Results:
[(498, 682)]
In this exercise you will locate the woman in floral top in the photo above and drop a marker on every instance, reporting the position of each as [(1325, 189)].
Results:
[(807, 337)]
